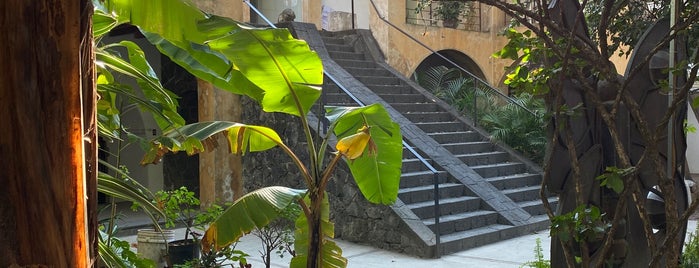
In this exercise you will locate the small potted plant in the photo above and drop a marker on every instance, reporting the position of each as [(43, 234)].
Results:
[(447, 11), (180, 206)]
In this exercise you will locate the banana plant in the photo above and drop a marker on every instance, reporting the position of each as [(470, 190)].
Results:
[(283, 75)]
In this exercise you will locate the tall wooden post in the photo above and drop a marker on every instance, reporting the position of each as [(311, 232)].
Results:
[(43, 215)]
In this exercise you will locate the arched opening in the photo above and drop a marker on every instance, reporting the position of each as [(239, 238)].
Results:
[(455, 56)]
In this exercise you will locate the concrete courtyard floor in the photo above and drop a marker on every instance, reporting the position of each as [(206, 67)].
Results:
[(510, 253)]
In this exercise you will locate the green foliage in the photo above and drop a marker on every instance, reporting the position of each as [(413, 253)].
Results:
[(278, 235), (253, 210), (377, 179), (539, 261), (613, 178), (116, 253), (583, 224), (631, 20), (690, 256), (219, 258), (283, 75), (527, 51), (449, 10), (506, 121), (517, 127), (445, 10)]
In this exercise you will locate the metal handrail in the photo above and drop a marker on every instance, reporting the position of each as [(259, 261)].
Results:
[(404, 143), (508, 98)]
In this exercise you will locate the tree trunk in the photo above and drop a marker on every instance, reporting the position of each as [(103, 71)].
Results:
[(43, 205)]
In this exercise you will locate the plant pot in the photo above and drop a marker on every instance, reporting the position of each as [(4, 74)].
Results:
[(450, 23), (181, 251), (152, 245)]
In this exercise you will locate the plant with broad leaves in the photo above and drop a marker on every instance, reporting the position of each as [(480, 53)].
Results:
[(230, 55)]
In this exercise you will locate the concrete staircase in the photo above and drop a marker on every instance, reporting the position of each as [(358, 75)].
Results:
[(487, 192)]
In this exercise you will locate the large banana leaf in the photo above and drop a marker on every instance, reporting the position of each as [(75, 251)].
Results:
[(377, 175), (191, 138), (331, 253), (254, 210), (160, 102), (268, 65), (284, 67)]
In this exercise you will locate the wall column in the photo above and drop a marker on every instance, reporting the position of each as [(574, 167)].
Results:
[(220, 172)]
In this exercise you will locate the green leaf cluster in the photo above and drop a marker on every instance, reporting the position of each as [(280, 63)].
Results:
[(583, 224), (506, 121), (613, 178), (527, 51)]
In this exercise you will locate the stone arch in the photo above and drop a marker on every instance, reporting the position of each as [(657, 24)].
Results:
[(455, 56)]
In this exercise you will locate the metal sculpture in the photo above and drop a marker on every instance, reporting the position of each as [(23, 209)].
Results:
[(594, 150)]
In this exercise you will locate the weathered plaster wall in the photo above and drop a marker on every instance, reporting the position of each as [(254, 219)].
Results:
[(405, 55), (234, 9)]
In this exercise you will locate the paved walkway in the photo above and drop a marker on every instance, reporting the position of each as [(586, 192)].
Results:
[(510, 253)]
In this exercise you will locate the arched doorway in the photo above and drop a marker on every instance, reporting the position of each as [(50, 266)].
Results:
[(453, 55)]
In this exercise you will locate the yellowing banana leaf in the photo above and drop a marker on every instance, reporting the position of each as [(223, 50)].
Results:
[(254, 210), (377, 175), (192, 138)]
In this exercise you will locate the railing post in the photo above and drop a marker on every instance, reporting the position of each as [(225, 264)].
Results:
[(475, 102), (437, 213)]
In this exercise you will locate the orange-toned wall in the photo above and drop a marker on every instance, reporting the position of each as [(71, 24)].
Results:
[(405, 55)]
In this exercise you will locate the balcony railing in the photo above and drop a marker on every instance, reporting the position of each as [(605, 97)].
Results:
[(471, 19)]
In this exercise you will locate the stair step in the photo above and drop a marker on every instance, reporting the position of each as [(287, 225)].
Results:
[(333, 40), (523, 194), (456, 136), (460, 241), (414, 164), (515, 181), (536, 207), (469, 147), (426, 192), (404, 98), (463, 221), (421, 178), (329, 98), (417, 107), (447, 206), (343, 55), (339, 47), (485, 158), (368, 71), (499, 169), (428, 116), (356, 63), (379, 80), (441, 127), (391, 89)]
